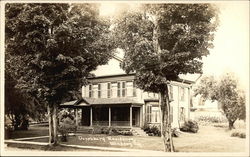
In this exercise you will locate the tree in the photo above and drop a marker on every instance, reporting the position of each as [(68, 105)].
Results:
[(20, 106), (226, 91), (162, 41), (56, 46)]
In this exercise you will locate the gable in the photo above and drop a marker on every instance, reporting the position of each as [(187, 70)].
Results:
[(111, 68)]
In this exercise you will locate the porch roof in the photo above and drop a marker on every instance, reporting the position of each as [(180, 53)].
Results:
[(109, 101), (101, 101)]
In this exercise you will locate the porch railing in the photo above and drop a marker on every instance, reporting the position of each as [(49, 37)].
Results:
[(120, 123), (101, 123), (113, 123)]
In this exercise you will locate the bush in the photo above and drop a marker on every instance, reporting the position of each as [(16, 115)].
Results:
[(114, 131), (212, 119), (175, 132), (238, 134), (66, 124), (8, 129), (152, 130), (190, 126)]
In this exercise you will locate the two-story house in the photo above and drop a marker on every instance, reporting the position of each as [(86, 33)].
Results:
[(113, 100)]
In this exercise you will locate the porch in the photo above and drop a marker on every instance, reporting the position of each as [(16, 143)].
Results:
[(109, 116)]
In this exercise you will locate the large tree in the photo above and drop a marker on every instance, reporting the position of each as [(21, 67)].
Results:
[(162, 41), (225, 91), (56, 46)]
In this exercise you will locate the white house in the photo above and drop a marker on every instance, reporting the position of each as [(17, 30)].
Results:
[(111, 99)]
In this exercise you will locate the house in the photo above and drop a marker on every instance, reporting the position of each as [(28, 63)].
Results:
[(112, 100)]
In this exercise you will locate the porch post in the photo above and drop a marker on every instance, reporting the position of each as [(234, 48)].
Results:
[(130, 116), (91, 116), (109, 116), (76, 115)]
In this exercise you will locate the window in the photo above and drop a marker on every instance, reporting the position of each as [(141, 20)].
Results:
[(153, 114), (182, 114), (121, 89), (149, 111), (99, 90), (90, 91), (182, 92), (118, 89), (109, 90), (134, 89), (171, 114), (171, 94)]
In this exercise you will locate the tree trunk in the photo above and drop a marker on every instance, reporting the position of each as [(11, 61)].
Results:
[(50, 125), (54, 119), (231, 124), (53, 136), (166, 124), (163, 97)]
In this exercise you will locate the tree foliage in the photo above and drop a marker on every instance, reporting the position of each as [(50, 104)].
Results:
[(59, 44), (227, 92), (162, 41), (184, 33), (52, 48)]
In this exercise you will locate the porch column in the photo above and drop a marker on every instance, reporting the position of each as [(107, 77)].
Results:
[(109, 116), (130, 116), (76, 115), (91, 116)]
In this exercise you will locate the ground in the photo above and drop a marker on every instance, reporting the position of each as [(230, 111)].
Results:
[(208, 139)]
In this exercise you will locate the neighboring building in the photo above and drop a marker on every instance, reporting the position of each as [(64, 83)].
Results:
[(113, 100)]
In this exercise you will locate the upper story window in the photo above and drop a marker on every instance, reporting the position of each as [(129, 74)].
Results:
[(109, 90), (90, 90), (182, 93), (134, 89), (171, 94), (99, 90), (121, 89), (118, 89)]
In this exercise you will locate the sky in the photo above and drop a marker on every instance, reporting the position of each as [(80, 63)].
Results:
[(231, 43)]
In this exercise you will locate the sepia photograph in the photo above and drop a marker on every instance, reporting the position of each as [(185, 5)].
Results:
[(124, 78)]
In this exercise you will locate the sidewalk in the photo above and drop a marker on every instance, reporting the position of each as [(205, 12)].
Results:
[(18, 141)]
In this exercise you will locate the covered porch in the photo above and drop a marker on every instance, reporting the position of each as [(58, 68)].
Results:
[(111, 116), (106, 115)]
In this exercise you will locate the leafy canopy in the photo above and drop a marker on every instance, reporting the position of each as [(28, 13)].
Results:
[(227, 92), (51, 48), (162, 41)]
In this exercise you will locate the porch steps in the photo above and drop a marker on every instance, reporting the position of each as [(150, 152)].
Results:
[(136, 131)]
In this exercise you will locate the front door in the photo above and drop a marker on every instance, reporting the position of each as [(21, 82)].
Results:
[(136, 116), (86, 116)]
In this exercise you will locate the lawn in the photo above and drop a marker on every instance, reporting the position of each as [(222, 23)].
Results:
[(208, 139)]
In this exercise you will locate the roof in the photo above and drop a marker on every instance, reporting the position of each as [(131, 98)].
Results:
[(102, 101), (132, 74)]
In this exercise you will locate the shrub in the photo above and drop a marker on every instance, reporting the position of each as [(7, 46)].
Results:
[(66, 124), (238, 134), (212, 119), (152, 130), (175, 132), (190, 126), (114, 131)]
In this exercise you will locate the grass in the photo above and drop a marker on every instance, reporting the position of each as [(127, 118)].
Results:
[(208, 139), (33, 131)]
